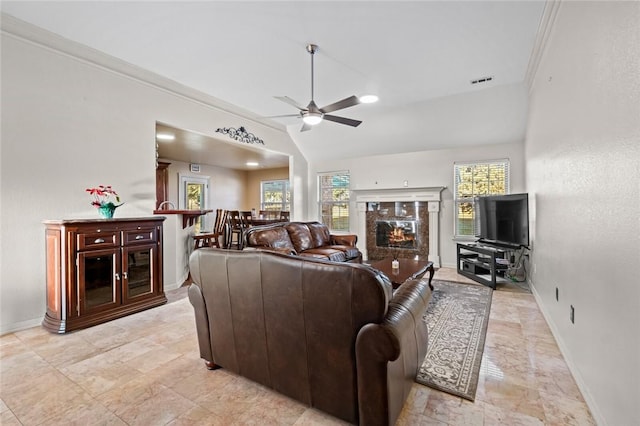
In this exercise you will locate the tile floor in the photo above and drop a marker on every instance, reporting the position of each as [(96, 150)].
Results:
[(144, 369)]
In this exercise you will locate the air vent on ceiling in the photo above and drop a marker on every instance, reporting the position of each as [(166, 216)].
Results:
[(481, 80)]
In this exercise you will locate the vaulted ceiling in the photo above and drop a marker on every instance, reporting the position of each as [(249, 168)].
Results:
[(419, 57)]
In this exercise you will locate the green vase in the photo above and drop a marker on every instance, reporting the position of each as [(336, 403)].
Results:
[(106, 211)]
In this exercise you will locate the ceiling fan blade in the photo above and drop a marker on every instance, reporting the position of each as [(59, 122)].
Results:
[(281, 116), (289, 101), (345, 103), (305, 127), (342, 120)]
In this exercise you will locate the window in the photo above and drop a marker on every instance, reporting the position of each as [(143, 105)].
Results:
[(333, 199), (471, 180), (275, 195)]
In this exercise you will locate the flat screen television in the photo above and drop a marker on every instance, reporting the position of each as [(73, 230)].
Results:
[(503, 219)]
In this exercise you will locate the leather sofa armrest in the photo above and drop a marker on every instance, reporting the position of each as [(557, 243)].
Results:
[(344, 239), (379, 344), (202, 322)]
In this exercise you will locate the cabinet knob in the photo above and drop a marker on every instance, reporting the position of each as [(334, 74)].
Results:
[(117, 276), (139, 237), (98, 241), (125, 276)]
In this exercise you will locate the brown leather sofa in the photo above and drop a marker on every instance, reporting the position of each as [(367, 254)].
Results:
[(311, 239), (332, 335)]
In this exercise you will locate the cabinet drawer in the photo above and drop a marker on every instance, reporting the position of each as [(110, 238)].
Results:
[(94, 240), (140, 235)]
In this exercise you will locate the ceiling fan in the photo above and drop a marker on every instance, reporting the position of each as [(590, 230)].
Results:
[(311, 114)]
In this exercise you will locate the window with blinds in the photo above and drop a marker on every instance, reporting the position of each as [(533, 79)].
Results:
[(472, 180), (333, 200), (275, 195)]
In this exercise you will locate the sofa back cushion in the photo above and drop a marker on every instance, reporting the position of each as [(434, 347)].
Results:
[(276, 237), (300, 236), (320, 234)]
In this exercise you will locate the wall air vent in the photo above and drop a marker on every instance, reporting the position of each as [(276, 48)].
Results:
[(481, 80)]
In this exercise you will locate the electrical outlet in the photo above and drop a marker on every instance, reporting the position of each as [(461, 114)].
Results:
[(557, 294), (572, 315)]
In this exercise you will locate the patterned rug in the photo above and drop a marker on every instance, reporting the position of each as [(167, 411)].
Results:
[(457, 318)]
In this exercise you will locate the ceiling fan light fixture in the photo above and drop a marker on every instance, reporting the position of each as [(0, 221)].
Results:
[(312, 118), (368, 99)]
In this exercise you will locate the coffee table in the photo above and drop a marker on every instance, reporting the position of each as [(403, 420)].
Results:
[(409, 269)]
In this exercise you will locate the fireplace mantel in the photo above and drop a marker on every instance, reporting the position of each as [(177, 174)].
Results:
[(398, 194), (428, 194)]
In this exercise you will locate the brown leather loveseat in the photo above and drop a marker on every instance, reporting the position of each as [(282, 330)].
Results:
[(332, 335), (312, 239)]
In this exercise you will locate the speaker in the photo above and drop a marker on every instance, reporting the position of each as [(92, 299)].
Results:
[(473, 268)]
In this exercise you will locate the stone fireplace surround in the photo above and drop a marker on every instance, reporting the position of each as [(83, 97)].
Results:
[(429, 196), (399, 229)]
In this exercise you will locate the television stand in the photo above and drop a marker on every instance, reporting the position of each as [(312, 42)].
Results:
[(482, 262)]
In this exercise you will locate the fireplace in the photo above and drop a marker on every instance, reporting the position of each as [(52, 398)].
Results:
[(399, 229), (397, 234), (410, 217)]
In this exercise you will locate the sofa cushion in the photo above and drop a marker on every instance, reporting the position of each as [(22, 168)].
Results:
[(319, 234), (350, 252), (314, 255), (300, 236), (273, 237), (328, 253)]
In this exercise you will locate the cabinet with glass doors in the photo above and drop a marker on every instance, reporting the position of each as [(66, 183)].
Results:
[(99, 270)]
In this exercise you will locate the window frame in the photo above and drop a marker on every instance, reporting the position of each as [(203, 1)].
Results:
[(345, 220), (285, 205), (457, 199)]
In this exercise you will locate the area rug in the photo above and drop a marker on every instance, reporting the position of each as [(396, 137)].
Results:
[(457, 318)]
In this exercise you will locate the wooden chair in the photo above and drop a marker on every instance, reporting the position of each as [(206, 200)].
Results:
[(212, 239), (235, 229), (246, 217)]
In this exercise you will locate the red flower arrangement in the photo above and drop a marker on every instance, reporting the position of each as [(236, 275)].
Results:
[(103, 196)]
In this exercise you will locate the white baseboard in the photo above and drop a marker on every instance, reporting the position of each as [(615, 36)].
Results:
[(588, 398), (19, 326)]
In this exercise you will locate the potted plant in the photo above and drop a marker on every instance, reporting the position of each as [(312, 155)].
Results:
[(104, 199)]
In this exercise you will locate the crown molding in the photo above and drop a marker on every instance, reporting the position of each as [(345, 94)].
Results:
[(29, 33), (545, 28)]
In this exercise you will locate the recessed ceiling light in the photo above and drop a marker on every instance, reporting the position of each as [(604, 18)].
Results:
[(165, 137), (368, 99), (252, 164)]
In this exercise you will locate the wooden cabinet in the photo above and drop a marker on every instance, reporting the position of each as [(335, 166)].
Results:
[(102, 269)]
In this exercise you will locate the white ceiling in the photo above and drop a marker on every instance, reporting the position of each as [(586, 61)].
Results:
[(418, 57)]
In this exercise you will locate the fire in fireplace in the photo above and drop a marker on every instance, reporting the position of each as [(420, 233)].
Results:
[(397, 233)]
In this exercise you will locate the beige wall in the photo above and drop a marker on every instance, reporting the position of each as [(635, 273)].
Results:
[(420, 169), (254, 177), (74, 118), (229, 189), (583, 161)]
